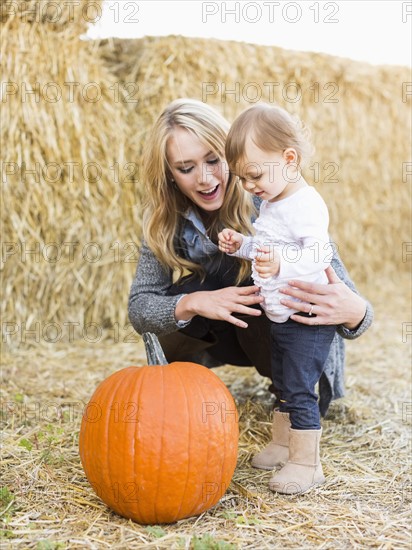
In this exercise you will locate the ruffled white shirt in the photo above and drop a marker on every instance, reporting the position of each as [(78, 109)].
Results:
[(297, 228)]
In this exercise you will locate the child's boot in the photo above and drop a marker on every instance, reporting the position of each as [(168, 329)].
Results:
[(277, 452), (303, 470)]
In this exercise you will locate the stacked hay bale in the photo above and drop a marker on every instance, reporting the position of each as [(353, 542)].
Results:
[(71, 190), (68, 190)]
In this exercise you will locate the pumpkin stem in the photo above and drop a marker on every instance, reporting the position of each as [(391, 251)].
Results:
[(154, 352)]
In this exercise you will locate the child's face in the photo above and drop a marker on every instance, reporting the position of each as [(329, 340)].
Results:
[(198, 172), (268, 174)]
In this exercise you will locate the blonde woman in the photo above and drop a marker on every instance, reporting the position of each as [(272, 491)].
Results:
[(200, 302)]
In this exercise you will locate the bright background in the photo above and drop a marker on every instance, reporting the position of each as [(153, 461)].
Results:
[(378, 32)]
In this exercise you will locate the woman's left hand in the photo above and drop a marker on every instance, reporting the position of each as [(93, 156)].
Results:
[(329, 304)]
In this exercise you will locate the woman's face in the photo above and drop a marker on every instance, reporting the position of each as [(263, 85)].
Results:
[(198, 172)]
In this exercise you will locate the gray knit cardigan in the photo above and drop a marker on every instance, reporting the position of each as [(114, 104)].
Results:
[(151, 309)]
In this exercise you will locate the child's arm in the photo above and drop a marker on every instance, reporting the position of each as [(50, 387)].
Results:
[(235, 244)]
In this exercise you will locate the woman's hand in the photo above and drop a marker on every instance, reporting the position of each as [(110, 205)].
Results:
[(267, 261), (330, 304), (229, 241), (220, 304)]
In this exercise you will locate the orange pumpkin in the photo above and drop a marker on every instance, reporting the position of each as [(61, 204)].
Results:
[(159, 443)]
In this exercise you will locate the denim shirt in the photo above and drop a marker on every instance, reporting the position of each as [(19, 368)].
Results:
[(197, 245)]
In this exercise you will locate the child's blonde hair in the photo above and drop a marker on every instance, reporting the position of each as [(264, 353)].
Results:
[(271, 128)]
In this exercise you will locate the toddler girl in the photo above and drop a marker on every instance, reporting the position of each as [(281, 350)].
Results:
[(265, 148)]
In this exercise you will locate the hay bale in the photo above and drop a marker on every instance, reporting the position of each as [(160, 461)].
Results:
[(67, 189), (70, 18)]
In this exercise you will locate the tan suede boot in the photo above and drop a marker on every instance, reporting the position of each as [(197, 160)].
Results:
[(277, 452), (303, 470)]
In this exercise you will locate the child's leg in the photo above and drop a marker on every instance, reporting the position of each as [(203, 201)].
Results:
[(276, 363), (304, 352), (276, 453)]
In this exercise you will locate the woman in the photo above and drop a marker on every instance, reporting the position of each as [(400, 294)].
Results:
[(201, 303)]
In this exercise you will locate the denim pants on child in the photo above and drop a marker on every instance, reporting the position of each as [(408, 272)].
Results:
[(298, 355)]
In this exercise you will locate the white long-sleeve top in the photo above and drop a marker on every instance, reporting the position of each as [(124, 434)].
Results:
[(297, 228)]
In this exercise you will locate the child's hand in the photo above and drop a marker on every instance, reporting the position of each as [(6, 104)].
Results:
[(267, 262), (229, 241)]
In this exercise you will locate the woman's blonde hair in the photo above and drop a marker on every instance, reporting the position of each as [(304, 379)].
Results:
[(271, 128), (165, 204)]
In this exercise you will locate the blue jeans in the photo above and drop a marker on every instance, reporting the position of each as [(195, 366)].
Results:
[(298, 355)]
